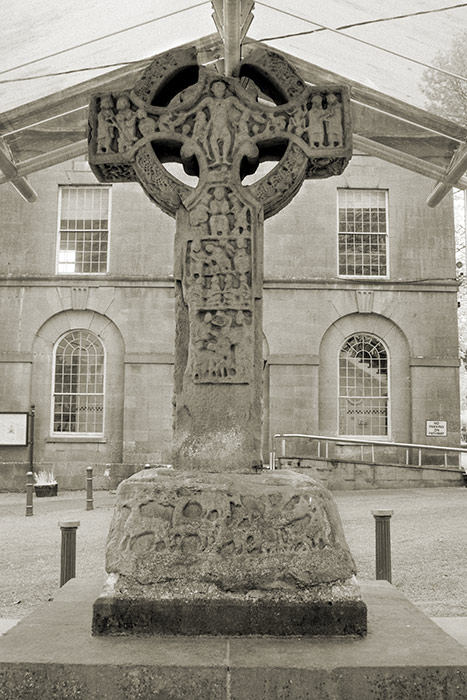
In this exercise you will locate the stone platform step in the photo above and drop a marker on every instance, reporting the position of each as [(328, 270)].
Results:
[(51, 654), (456, 627), (6, 623)]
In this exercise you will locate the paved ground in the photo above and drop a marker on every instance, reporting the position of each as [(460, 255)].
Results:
[(428, 530)]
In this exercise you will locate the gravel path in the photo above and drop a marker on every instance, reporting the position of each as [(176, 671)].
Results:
[(428, 532), (30, 547)]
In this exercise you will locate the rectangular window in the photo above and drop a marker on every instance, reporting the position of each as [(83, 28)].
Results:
[(362, 233), (83, 244)]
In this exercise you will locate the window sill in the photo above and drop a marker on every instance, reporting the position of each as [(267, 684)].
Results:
[(81, 274), (364, 277), (77, 438)]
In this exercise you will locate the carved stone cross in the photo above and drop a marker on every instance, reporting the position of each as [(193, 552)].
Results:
[(212, 547), (220, 131)]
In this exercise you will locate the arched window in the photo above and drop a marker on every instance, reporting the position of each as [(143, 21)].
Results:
[(78, 398), (363, 387)]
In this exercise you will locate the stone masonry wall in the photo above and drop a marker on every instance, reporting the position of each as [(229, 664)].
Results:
[(308, 312)]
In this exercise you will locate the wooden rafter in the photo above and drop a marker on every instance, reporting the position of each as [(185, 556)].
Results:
[(416, 165), (11, 174), (232, 19), (451, 178), (59, 155)]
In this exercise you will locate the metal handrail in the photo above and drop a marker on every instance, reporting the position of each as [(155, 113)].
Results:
[(362, 443)]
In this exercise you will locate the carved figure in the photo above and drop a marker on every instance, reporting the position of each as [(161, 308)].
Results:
[(218, 209), (316, 129), (146, 125), (126, 123), (166, 122), (200, 127), (279, 123), (242, 216), (214, 295), (199, 214), (221, 124), (196, 260), (242, 258), (298, 121), (105, 126), (220, 256), (332, 122)]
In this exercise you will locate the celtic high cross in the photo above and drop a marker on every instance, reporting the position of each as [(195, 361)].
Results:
[(219, 128)]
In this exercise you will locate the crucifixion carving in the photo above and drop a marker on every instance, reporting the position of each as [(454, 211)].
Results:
[(220, 129)]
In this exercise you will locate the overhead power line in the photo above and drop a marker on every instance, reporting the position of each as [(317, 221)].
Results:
[(141, 62), (339, 32), (321, 28), (106, 36)]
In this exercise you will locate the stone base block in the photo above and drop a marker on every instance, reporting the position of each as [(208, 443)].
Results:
[(405, 656), (335, 610), (227, 553)]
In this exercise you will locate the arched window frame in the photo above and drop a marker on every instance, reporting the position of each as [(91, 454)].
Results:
[(371, 434), (77, 433)]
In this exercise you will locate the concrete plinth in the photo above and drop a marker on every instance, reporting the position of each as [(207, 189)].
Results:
[(405, 656)]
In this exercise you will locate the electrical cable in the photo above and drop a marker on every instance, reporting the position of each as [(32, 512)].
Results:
[(106, 36), (141, 62), (321, 28), (358, 24), (272, 38), (362, 41)]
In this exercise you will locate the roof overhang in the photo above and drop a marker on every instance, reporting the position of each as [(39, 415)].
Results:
[(53, 129)]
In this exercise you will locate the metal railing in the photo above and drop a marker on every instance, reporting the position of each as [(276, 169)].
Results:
[(379, 452)]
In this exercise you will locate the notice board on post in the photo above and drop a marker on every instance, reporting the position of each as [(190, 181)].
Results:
[(13, 429)]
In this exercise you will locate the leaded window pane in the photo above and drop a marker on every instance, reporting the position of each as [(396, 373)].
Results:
[(84, 230), (363, 387), (78, 403), (362, 233)]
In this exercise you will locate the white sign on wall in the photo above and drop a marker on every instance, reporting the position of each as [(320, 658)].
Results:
[(436, 428), (13, 428)]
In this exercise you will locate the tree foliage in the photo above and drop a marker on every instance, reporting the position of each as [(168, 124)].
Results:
[(445, 95)]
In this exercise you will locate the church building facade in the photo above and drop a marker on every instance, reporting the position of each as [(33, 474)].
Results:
[(359, 318)]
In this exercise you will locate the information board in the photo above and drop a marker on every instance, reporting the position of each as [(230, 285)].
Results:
[(436, 428), (13, 428)]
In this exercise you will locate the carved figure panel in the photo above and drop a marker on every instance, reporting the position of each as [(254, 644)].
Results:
[(215, 127), (258, 537), (217, 287), (226, 123)]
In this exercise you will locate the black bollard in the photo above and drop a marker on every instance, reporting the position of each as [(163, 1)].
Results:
[(89, 496), (383, 544), (68, 553), (29, 492)]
